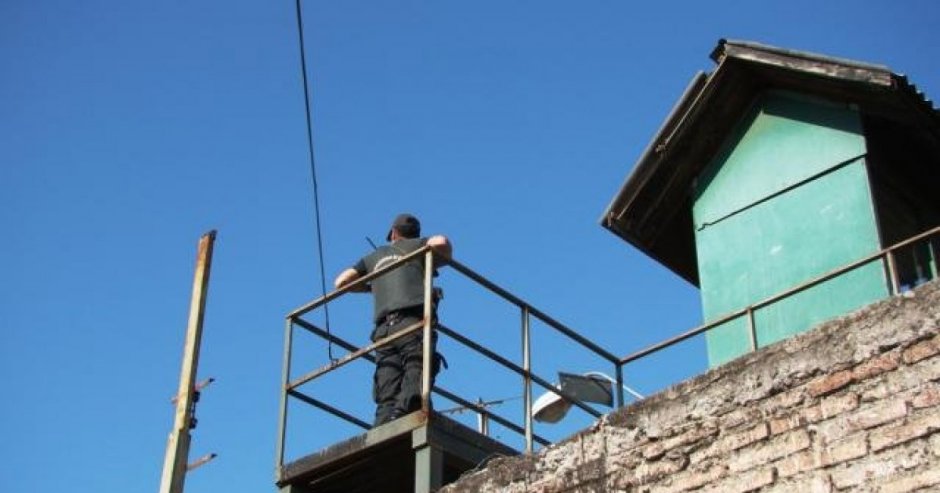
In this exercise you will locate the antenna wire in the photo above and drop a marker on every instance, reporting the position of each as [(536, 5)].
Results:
[(313, 171)]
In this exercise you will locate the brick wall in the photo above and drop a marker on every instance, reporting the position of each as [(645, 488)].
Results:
[(853, 405)]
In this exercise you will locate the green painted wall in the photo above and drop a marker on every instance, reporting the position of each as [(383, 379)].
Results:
[(787, 200)]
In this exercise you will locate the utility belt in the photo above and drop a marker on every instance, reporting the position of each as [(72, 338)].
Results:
[(395, 316)]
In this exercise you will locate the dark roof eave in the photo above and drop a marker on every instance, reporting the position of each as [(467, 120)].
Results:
[(757, 52), (646, 164)]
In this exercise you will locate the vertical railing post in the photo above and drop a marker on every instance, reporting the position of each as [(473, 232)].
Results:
[(285, 381), (751, 329), (527, 378), (618, 373), (428, 348), (932, 251), (892, 273), (483, 420)]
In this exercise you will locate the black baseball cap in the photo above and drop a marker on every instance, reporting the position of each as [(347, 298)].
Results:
[(406, 225)]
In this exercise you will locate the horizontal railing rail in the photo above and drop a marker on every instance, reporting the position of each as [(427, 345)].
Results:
[(361, 281), (560, 327), (328, 408), (358, 353), (505, 363), (313, 329), (437, 389)]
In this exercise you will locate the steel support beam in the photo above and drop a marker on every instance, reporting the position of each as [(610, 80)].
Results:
[(429, 462)]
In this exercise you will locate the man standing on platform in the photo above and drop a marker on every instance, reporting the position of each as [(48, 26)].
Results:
[(399, 304)]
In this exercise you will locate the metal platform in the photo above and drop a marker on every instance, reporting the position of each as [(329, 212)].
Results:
[(417, 453)]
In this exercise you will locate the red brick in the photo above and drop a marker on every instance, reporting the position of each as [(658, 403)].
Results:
[(927, 370), (783, 401), (797, 463), (778, 447), (654, 450), (928, 397), (917, 481), (689, 480), (878, 414), (830, 383), (833, 430), (845, 450), (781, 425), (876, 366), (915, 428), (739, 483), (883, 467), (812, 414), (699, 433), (740, 417), (742, 439), (837, 453), (922, 350), (862, 472), (832, 406), (810, 484), (653, 471)]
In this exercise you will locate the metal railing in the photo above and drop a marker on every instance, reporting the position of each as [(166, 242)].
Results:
[(527, 312), (887, 255), (290, 386)]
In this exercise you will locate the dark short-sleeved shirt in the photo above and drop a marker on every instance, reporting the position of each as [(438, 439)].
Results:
[(400, 288)]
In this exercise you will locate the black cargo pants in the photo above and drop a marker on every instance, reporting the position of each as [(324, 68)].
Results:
[(397, 381)]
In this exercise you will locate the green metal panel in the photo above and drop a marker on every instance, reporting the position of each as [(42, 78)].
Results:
[(788, 200), (783, 141)]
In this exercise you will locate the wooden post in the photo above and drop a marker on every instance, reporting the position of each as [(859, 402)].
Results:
[(177, 446)]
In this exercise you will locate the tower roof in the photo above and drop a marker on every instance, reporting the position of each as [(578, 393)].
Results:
[(653, 208)]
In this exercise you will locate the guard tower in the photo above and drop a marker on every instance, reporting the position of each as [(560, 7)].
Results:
[(775, 169), (424, 450)]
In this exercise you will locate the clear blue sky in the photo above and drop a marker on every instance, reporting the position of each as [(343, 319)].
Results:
[(128, 129)]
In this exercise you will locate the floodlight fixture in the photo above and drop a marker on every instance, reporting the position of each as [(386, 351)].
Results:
[(591, 386)]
